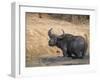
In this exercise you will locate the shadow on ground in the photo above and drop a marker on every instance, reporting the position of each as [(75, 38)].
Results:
[(55, 61)]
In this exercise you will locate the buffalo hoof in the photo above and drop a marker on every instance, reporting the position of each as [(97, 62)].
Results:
[(69, 56), (77, 57), (74, 57), (80, 57)]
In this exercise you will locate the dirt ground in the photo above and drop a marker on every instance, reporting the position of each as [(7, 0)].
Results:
[(37, 36)]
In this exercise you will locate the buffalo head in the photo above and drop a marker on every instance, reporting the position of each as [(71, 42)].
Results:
[(54, 37)]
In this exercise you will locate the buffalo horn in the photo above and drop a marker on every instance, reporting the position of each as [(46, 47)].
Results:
[(49, 32), (63, 32), (61, 36)]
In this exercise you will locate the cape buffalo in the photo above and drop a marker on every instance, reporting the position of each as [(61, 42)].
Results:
[(71, 46)]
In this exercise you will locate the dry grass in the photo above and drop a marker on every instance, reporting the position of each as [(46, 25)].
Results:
[(37, 35)]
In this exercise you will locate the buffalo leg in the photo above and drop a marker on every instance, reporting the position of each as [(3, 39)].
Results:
[(69, 54), (65, 53), (81, 55), (78, 55), (75, 55)]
